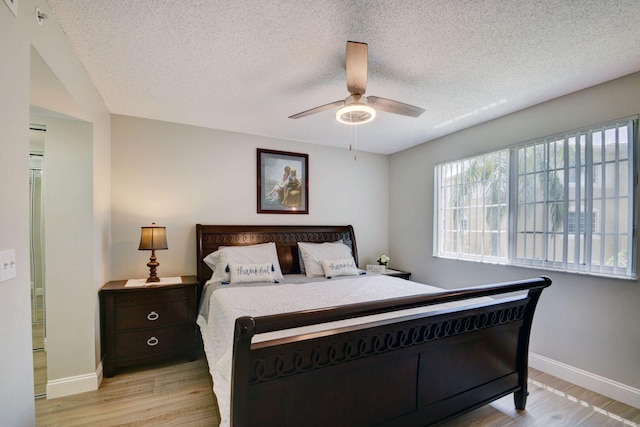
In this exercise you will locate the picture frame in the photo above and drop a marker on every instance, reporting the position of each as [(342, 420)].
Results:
[(283, 182)]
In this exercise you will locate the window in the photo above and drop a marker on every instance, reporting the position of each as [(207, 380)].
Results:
[(565, 202), (572, 222), (473, 207)]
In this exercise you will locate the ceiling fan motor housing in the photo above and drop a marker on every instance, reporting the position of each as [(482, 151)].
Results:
[(355, 111)]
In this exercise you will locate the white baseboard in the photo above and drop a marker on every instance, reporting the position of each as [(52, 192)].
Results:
[(99, 375), (612, 389), (73, 385)]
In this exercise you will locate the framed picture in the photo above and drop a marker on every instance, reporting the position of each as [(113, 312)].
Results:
[(283, 182)]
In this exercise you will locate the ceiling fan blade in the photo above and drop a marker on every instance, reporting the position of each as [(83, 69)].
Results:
[(318, 109), (357, 60), (395, 107)]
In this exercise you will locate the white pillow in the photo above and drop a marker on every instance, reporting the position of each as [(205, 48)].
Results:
[(314, 253), (246, 273), (340, 267), (301, 260), (215, 263), (262, 253)]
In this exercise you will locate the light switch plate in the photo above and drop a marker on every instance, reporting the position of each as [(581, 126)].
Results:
[(7, 265)]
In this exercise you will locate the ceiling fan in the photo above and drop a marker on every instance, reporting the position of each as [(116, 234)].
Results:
[(357, 108)]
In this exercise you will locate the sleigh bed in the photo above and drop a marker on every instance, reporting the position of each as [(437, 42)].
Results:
[(417, 356)]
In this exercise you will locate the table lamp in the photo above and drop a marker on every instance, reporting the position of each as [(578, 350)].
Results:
[(153, 238)]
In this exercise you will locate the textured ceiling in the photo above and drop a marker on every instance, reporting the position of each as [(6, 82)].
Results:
[(247, 65)]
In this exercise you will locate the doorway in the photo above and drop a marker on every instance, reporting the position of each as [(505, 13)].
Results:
[(72, 347), (37, 137)]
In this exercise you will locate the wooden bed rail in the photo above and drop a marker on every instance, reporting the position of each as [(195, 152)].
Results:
[(257, 325), (413, 370)]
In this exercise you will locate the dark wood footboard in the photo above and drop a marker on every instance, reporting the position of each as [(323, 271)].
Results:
[(407, 371)]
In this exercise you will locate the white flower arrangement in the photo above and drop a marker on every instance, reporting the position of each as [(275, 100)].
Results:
[(383, 259)]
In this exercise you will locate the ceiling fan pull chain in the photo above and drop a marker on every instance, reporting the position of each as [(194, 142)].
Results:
[(355, 143), (350, 138)]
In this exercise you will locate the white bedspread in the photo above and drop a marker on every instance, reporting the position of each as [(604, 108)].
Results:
[(228, 302)]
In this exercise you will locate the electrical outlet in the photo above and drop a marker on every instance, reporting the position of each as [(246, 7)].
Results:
[(7, 265)]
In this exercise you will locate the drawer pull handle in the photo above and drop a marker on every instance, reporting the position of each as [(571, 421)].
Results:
[(152, 341), (153, 316)]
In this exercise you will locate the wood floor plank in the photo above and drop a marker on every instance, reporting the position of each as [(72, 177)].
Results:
[(170, 394), (614, 414), (39, 355), (486, 416), (39, 372), (562, 406)]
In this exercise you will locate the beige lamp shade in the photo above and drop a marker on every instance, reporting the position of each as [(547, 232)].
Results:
[(153, 237)]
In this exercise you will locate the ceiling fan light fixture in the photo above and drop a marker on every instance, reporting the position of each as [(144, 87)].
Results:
[(355, 114)]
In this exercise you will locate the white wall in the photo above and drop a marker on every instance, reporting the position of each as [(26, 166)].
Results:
[(588, 323), (17, 36), (177, 176)]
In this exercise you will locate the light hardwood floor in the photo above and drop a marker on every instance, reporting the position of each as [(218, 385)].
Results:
[(163, 395), (39, 374), (181, 394), (39, 355)]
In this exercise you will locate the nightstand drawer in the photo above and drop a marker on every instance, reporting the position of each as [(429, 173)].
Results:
[(151, 341), (151, 315)]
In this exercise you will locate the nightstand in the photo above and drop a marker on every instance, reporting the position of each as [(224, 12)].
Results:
[(147, 324), (397, 273)]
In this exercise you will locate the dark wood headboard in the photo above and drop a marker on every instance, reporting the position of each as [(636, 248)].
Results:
[(210, 237)]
